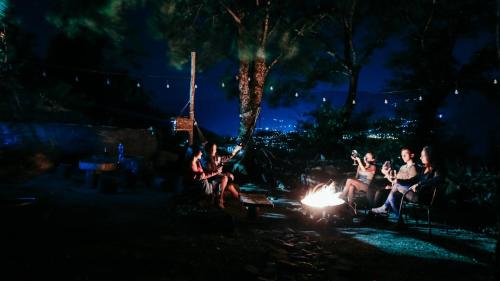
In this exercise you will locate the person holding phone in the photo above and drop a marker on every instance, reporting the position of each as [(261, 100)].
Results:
[(364, 175), (401, 181)]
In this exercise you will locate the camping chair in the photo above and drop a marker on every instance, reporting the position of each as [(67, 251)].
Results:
[(362, 198), (420, 200)]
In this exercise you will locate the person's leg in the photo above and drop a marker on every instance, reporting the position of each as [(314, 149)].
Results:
[(387, 203), (223, 184), (346, 189), (356, 186), (393, 202), (233, 191)]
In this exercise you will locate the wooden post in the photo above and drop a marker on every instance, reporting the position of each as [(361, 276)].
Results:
[(191, 94)]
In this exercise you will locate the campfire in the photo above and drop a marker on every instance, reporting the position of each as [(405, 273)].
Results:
[(322, 202), (323, 195)]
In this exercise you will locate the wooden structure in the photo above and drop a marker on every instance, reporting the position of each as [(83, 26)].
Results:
[(253, 201), (182, 123)]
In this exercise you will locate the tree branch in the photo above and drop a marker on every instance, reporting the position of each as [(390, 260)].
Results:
[(233, 14), (266, 26)]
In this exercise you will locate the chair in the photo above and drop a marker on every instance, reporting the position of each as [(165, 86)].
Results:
[(420, 200)]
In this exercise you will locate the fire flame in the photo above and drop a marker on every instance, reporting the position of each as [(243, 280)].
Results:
[(323, 196)]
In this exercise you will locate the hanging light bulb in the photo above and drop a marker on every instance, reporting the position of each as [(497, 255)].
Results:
[(353, 101), (44, 74), (76, 78), (456, 92), (271, 88), (296, 94), (324, 99), (385, 101), (420, 98), (195, 86), (223, 85), (495, 81), (249, 79), (108, 82), (168, 85), (138, 85), (440, 116)]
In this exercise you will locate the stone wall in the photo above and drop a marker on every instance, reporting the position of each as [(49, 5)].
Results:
[(75, 139)]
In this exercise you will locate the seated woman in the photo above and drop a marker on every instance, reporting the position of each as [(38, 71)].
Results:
[(198, 177), (363, 178), (215, 162), (431, 176), (401, 182)]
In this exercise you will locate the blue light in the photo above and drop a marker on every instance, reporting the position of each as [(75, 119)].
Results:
[(440, 116)]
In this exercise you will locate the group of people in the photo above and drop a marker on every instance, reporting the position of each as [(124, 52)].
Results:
[(410, 180), (205, 172)]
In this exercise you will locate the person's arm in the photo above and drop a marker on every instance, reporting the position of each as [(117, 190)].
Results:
[(428, 182), (202, 175), (226, 158)]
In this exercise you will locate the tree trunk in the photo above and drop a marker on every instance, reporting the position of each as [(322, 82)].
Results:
[(351, 96)]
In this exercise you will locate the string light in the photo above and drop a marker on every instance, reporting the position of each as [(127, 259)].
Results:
[(108, 82), (138, 85), (44, 74), (271, 88), (76, 79), (324, 99), (440, 116), (385, 101), (195, 86), (495, 81), (456, 92), (296, 94), (353, 101), (168, 85), (420, 98), (223, 85)]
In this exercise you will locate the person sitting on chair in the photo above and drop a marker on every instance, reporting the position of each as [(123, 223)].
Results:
[(431, 176), (215, 162), (407, 176), (364, 176), (198, 177)]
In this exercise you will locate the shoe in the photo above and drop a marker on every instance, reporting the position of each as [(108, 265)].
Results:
[(380, 210)]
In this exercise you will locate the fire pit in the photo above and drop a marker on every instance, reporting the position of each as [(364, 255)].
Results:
[(323, 203)]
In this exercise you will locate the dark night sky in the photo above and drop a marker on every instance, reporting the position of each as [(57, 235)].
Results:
[(215, 112)]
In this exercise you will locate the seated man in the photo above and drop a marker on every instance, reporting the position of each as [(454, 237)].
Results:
[(214, 162), (401, 182), (363, 178)]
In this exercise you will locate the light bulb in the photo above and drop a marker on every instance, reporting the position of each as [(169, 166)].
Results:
[(44, 74), (76, 79), (296, 94), (420, 98), (108, 82), (456, 92), (195, 86), (495, 81), (223, 85), (324, 99), (353, 101), (168, 86), (271, 88), (385, 101), (138, 85)]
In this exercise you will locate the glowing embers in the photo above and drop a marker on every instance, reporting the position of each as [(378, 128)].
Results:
[(323, 196)]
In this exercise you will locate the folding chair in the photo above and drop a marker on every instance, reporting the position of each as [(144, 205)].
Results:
[(420, 202)]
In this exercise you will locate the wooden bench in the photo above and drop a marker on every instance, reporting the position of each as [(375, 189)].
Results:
[(253, 201)]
